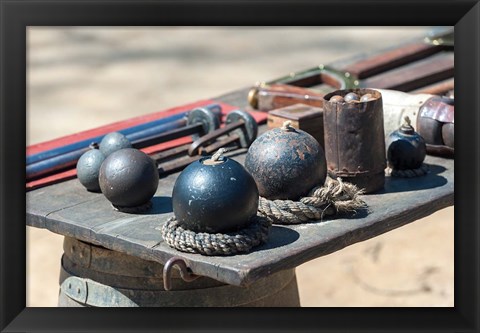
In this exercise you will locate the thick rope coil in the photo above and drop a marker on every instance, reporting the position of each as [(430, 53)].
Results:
[(409, 173), (216, 244), (335, 197)]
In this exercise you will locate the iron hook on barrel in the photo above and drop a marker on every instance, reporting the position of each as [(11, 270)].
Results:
[(185, 272)]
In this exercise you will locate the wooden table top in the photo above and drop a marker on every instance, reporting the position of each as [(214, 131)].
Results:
[(68, 209)]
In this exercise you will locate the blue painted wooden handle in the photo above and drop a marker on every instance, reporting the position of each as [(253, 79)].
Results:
[(35, 158)]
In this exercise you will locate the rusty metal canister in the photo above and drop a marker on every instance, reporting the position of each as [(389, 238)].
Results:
[(355, 139)]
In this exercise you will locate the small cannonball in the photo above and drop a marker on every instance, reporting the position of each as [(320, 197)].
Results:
[(88, 168), (406, 149), (367, 98), (128, 178), (337, 99), (114, 141), (214, 197), (286, 163), (351, 97)]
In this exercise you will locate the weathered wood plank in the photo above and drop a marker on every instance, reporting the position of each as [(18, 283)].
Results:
[(438, 88), (392, 59), (42, 202), (89, 217), (413, 76)]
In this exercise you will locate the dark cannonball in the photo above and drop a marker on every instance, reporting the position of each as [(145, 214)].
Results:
[(286, 163), (128, 178), (88, 168), (406, 149), (214, 197), (114, 141)]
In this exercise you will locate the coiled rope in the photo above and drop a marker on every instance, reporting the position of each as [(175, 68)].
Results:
[(408, 173), (335, 197), (216, 244)]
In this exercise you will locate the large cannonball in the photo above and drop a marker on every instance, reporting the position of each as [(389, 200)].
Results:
[(286, 163), (88, 168), (128, 178), (214, 196)]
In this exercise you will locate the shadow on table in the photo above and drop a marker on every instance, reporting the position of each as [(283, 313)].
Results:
[(279, 236), (161, 205), (429, 181), (359, 213)]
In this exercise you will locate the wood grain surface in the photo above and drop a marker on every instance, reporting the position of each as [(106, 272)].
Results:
[(68, 209)]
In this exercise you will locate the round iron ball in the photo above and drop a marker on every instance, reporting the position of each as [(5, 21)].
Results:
[(286, 163), (88, 168), (406, 149), (214, 197), (351, 97), (337, 99), (128, 178), (112, 142), (367, 98)]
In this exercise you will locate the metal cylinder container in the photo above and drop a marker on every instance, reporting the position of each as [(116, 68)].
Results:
[(355, 139), (93, 276)]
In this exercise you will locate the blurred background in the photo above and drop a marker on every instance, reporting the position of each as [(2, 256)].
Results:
[(79, 78)]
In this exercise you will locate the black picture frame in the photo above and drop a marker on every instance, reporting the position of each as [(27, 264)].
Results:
[(16, 15)]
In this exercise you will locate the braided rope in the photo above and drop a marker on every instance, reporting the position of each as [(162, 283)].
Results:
[(409, 173), (335, 197), (216, 244)]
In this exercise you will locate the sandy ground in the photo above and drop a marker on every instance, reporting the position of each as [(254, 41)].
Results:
[(80, 78)]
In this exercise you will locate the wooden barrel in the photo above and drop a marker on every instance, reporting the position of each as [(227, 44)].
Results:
[(93, 276)]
